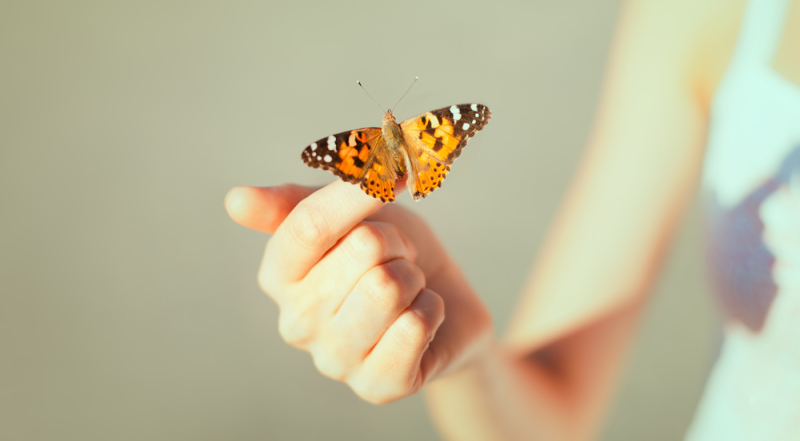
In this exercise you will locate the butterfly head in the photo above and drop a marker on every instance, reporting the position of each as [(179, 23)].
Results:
[(392, 135), (389, 117)]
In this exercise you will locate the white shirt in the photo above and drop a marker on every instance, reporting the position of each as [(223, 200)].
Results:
[(751, 188)]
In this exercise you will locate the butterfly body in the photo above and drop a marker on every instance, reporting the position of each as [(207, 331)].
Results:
[(394, 148), (391, 131), (422, 147)]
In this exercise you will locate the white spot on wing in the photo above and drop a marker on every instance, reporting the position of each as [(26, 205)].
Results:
[(474, 107), (331, 142), (313, 146), (328, 158), (456, 113), (465, 126), (473, 121)]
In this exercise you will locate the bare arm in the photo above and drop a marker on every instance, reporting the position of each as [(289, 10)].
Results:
[(365, 288), (552, 374)]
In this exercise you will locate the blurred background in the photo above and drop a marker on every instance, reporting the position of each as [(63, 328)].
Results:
[(128, 300)]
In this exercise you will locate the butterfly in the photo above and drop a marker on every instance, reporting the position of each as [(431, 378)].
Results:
[(422, 147)]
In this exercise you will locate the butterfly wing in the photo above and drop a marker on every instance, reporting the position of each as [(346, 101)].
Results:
[(356, 157), (378, 182), (435, 139)]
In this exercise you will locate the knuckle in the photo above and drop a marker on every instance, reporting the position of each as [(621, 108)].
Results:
[(367, 391), (394, 283), (265, 282), (418, 329), (295, 329), (330, 365), (416, 275), (390, 229), (371, 397), (384, 284), (406, 247), (368, 239), (308, 225), (381, 391), (439, 306)]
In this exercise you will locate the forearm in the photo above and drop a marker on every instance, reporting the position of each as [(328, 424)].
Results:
[(557, 393), (496, 397)]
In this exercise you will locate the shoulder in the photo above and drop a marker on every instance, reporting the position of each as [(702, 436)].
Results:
[(716, 32), (691, 39)]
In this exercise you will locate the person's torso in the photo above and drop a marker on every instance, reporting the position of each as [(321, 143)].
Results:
[(752, 157)]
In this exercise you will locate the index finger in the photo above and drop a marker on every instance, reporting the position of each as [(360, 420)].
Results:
[(264, 208), (314, 226)]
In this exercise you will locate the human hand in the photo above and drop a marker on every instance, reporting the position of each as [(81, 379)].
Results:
[(363, 286)]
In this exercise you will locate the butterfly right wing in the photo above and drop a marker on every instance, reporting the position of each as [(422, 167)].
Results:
[(435, 139), (347, 154)]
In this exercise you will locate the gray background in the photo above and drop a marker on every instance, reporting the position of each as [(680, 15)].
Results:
[(128, 300)]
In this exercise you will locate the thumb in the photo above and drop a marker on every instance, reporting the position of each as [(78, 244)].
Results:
[(264, 208)]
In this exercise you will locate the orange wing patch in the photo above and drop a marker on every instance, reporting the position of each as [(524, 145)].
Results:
[(435, 139), (429, 142), (375, 185), (346, 154), (437, 134), (354, 154), (429, 175)]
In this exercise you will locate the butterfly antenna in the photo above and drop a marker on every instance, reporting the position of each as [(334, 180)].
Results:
[(370, 96), (404, 95)]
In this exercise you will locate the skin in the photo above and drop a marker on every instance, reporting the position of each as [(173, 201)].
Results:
[(354, 290), (365, 286)]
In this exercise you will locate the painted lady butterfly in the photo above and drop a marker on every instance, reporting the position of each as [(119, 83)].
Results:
[(374, 157)]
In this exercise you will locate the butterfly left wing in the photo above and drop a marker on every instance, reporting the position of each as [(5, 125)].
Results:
[(435, 139), (356, 156), (346, 154)]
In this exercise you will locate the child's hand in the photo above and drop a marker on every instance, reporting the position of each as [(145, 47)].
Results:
[(363, 286)]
